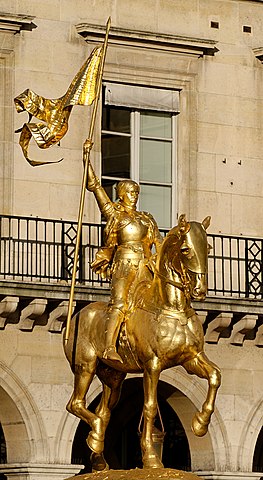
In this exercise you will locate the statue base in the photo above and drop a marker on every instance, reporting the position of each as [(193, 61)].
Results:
[(139, 474)]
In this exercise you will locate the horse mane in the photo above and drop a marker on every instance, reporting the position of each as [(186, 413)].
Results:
[(169, 253), (170, 248)]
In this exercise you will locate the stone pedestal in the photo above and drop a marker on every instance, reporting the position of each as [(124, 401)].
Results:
[(139, 474), (26, 471), (206, 475)]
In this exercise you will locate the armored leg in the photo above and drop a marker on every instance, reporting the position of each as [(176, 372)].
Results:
[(115, 317)]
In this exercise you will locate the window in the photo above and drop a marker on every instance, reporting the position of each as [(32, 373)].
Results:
[(139, 142)]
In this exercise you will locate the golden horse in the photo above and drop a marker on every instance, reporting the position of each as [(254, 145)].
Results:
[(161, 330)]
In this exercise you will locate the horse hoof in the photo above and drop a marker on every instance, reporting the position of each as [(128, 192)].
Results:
[(98, 462), (96, 445), (199, 427)]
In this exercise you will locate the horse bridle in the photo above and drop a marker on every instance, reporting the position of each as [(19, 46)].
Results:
[(184, 286)]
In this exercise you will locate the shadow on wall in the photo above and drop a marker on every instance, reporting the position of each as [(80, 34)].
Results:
[(3, 458), (258, 455)]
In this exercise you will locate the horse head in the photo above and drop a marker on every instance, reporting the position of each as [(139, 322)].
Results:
[(185, 251)]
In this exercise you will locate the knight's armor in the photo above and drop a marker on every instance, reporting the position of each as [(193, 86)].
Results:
[(129, 236)]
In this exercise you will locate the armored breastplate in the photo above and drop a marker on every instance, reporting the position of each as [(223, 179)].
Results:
[(131, 229)]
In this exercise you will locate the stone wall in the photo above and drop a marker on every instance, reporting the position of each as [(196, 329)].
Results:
[(36, 384), (166, 44), (211, 51)]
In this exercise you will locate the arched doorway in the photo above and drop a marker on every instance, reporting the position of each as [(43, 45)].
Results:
[(21, 422), (3, 458), (258, 454), (122, 447)]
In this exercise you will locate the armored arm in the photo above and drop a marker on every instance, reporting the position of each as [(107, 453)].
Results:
[(155, 234), (104, 202), (157, 237)]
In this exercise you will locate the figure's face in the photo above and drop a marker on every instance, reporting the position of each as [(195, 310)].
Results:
[(130, 195)]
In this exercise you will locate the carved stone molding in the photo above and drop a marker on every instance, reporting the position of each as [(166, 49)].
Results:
[(216, 326), (258, 52), (58, 316), (242, 328), (8, 305), (40, 471), (153, 41), (20, 311), (32, 313), (202, 314), (14, 23), (259, 337)]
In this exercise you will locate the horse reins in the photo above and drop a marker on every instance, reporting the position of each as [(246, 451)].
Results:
[(184, 286)]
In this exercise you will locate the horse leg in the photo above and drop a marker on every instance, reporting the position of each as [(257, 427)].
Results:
[(83, 377), (204, 368), (150, 381), (109, 399)]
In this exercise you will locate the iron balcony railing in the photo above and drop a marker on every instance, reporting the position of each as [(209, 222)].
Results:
[(42, 250)]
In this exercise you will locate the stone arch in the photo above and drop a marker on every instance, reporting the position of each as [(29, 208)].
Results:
[(211, 451), (258, 453), (249, 436), (68, 426), (21, 421)]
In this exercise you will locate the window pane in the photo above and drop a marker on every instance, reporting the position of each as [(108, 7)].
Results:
[(115, 152), (155, 161), (110, 188), (116, 119), (156, 125), (157, 201)]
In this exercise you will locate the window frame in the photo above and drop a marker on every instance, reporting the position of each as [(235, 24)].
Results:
[(135, 138)]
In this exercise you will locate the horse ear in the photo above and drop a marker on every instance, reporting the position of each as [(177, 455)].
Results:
[(206, 222), (183, 224), (182, 219)]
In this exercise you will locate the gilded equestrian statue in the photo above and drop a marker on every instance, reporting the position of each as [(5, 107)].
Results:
[(159, 330)]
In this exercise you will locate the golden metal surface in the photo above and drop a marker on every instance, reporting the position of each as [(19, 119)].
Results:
[(139, 474), (149, 318), (129, 236), (86, 160), (55, 113)]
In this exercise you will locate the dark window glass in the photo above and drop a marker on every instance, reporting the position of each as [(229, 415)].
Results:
[(115, 156), (116, 119), (110, 188)]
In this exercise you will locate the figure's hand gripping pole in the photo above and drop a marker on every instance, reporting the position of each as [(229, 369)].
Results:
[(86, 160)]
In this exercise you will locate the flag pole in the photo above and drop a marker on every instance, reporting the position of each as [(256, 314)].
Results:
[(87, 146)]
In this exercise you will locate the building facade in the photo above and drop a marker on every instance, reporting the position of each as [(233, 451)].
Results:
[(181, 113)]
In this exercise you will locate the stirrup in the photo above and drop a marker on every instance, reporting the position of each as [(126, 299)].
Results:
[(110, 353)]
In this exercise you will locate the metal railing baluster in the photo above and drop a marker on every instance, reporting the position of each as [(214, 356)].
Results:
[(41, 249)]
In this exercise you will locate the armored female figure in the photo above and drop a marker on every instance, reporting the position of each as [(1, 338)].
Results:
[(129, 236)]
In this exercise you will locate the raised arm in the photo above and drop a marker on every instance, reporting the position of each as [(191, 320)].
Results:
[(104, 202)]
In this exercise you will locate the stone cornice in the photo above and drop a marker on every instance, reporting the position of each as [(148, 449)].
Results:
[(85, 293), (26, 305), (258, 52), (135, 38), (15, 23)]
